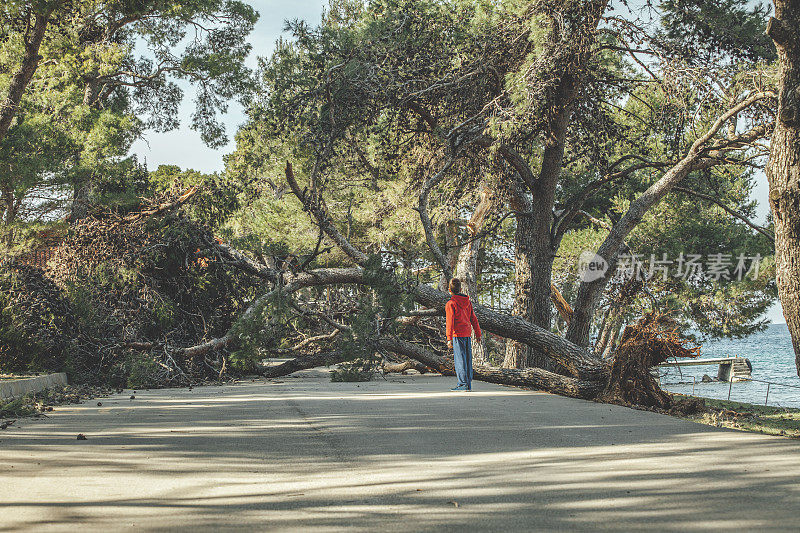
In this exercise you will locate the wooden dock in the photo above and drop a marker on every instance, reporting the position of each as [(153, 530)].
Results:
[(730, 368)]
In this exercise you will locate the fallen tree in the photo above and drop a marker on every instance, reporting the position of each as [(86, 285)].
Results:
[(589, 374)]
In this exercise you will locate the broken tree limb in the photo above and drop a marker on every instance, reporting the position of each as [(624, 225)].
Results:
[(303, 363), (234, 257), (206, 347), (311, 203), (576, 360), (396, 368), (165, 207), (422, 208), (563, 307)]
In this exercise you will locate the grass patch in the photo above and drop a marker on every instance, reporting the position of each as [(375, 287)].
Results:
[(748, 417)]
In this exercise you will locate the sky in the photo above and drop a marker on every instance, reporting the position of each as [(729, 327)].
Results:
[(183, 146)]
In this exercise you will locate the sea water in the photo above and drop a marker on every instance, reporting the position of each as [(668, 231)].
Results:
[(772, 356)]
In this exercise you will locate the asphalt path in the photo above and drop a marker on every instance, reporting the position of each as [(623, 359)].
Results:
[(401, 454)]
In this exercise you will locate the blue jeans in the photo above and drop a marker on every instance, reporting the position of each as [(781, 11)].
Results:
[(462, 360)]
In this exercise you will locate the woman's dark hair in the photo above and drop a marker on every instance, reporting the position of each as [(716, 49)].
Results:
[(455, 285)]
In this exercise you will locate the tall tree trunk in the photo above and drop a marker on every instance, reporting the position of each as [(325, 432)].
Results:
[(783, 169), (518, 354), (80, 200), (534, 246), (543, 200), (21, 78)]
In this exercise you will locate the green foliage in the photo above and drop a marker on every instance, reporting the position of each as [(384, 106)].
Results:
[(264, 329), (143, 372), (366, 107), (218, 196), (16, 408), (144, 282), (714, 30), (36, 321), (358, 370), (109, 70), (333, 102)]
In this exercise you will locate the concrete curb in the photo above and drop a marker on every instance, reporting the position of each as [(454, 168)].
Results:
[(20, 387)]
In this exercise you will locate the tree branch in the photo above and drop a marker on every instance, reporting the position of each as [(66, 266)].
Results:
[(422, 208), (312, 204), (22, 77), (767, 233), (589, 291)]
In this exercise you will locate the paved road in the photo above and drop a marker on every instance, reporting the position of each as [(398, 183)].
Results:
[(305, 454)]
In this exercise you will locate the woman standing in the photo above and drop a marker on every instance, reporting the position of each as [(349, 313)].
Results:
[(461, 321)]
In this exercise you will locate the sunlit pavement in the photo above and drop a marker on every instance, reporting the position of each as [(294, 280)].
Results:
[(403, 454)]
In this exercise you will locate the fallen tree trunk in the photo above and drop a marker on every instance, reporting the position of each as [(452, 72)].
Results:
[(396, 368), (578, 361), (533, 378), (303, 363)]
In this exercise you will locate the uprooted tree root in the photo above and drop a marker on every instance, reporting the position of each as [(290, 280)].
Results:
[(643, 345)]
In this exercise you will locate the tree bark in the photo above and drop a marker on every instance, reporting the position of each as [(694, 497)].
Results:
[(783, 169), (518, 354), (26, 70), (8, 201), (303, 363), (451, 240)]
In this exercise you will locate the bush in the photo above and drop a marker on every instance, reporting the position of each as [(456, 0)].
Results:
[(36, 321), (143, 372)]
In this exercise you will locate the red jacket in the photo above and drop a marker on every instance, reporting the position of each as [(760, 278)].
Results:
[(461, 319)]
